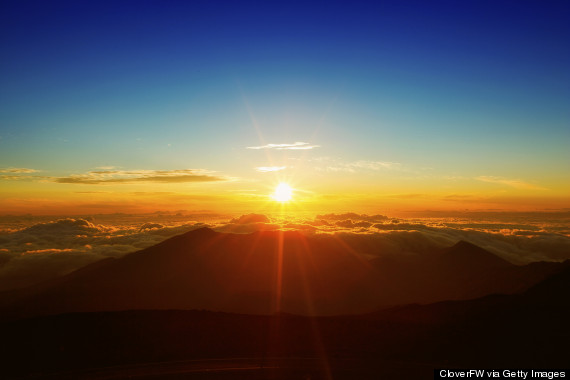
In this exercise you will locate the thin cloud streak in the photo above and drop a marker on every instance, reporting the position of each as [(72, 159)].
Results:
[(18, 170), (516, 183), (265, 169), (157, 176), (96, 177), (299, 145), (353, 167)]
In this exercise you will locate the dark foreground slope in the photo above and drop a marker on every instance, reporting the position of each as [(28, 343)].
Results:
[(268, 272), (519, 331)]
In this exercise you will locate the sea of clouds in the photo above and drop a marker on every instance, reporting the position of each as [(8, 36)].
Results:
[(36, 249)]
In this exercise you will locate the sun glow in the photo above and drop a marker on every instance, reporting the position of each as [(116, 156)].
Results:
[(283, 193)]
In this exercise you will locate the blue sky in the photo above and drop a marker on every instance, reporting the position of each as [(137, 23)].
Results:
[(467, 88)]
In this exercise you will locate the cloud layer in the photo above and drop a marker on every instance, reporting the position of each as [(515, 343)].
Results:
[(46, 250), (40, 251)]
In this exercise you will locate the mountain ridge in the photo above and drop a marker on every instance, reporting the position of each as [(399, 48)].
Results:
[(319, 275), (526, 330)]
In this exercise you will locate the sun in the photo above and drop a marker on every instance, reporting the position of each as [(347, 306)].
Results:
[(283, 193)]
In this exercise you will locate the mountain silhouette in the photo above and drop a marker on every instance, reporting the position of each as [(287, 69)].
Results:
[(464, 255), (273, 271), (526, 330)]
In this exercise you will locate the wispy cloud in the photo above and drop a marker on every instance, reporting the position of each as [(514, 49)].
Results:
[(265, 169), (116, 176), (464, 198), (18, 170), (360, 165), (408, 196), (159, 176), (516, 183), (299, 145), (14, 177)]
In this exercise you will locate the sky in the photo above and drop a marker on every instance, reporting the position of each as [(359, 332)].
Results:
[(206, 106)]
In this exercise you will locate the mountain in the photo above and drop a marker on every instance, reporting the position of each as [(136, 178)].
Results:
[(526, 330), (467, 256), (462, 271), (272, 271)]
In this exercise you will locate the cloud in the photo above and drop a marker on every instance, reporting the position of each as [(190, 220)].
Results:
[(64, 227), (398, 226), (265, 169), (18, 170), (352, 216), (350, 224), (137, 176), (34, 249), (374, 165), (465, 198), (507, 241), (517, 237), (22, 270), (295, 146), (119, 176), (251, 218), (151, 226), (20, 174), (335, 165), (46, 250), (408, 196), (49, 250), (516, 183), (15, 178), (375, 235)]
